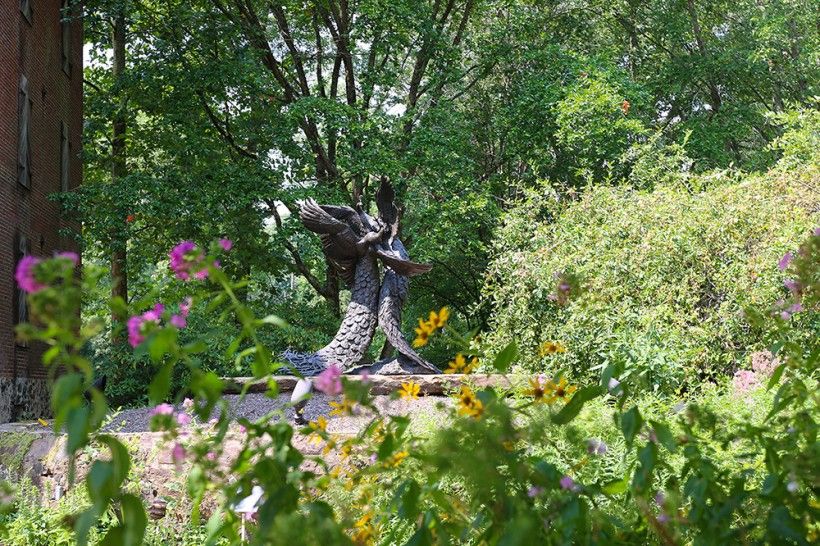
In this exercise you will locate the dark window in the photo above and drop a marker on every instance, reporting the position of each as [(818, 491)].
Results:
[(65, 158), (25, 9), (65, 26), (22, 248), (23, 144)]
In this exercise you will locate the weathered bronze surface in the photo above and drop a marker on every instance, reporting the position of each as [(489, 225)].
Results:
[(354, 243)]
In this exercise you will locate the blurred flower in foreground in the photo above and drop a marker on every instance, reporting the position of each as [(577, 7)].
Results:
[(410, 390)]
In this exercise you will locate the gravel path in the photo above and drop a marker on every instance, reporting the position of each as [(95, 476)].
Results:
[(255, 405)]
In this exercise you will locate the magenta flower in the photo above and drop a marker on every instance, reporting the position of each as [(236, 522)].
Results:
[(329, 381), (69, 256), (187, 261), (135, 335), (24, 275), (226, 244), (162, 409), (183, 419), (242, 429), (568, 484), (179, 321), (155, 314), (784, 262), (187, 404), (211, 456)]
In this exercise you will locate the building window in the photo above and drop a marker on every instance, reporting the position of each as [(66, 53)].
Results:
[(23, 144), (22, 248), (25, 9), (65, 158), (65, 27)]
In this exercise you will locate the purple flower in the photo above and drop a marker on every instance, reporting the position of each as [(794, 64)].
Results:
[(796, 308), (534, 491), (69, 256), (817, 232), (187, 260), (568, 484), (179, 321), (660, 498), (784, 262), (596, 447), (330, 381), (792, 285), (613, 385), (211, 456), (183, 419), (226, 244), (663, 518), (25, 275), (162, 409)]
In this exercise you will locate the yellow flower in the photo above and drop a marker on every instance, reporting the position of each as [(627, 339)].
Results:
[(551, 348), (423, 334), (319, 424), (438, 320), (345, 450), (345, 407), (396, 459), (457, 365), (363, 530), (538, 391), (471, 367), (468, 404), (410, 390), (562, 391)]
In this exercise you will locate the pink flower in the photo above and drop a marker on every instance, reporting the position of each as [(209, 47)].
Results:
[(242, 429), (178, 454), (745, 381), (187, 404), (183, 419), (187, 260), (226, 244), (330, 381), (211, 456), (69, 256), (568, 484), (784, 262), (185, 306), (817, 232), (764, 363), (179, 321), (25, 275), (365, 376), (162, 409)]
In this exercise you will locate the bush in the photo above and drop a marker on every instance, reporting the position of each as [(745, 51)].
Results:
[(666, 274)]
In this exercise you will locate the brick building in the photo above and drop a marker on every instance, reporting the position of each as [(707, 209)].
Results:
[(40, 140)]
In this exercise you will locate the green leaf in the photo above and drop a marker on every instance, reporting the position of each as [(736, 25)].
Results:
[(161, 384), (615, 487), (664, 435), (776, 375), (506, 357), (631, 423), (574, 406)]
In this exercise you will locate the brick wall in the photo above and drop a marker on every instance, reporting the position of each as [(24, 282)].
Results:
[(35, 50)]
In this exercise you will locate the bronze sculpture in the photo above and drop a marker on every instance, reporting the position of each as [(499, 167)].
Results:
[(354, 243)]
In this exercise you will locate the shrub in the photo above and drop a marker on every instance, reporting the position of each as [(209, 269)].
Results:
[(666, 274)]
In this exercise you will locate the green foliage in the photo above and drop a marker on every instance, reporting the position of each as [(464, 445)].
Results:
[(667, 274)]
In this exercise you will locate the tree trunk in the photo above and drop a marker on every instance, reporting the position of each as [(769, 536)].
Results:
[(119, 257)]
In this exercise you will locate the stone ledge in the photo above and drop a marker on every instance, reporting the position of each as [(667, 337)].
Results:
[(431, 385)]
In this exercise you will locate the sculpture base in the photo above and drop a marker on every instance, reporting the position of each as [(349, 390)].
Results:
[(396, 365)]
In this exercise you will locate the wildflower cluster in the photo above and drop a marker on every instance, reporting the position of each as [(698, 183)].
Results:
[(547, 391), (428, 327)]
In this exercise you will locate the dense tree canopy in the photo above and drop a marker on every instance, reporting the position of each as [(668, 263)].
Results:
[(223, 113)]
